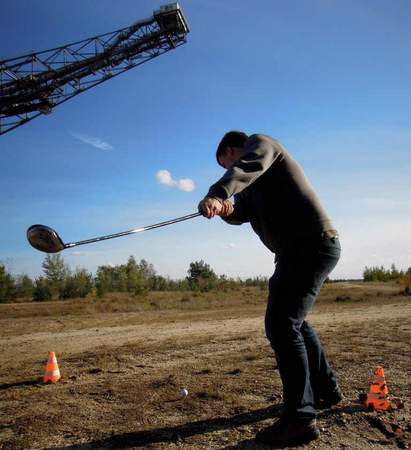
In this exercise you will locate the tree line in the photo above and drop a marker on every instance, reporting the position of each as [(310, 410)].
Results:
[(379, 273), (136, 278)]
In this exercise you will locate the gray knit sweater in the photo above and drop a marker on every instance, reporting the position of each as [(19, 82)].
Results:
[(273, 194)]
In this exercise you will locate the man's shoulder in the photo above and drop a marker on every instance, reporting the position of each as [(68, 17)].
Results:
[(264, 142), (261, 138)]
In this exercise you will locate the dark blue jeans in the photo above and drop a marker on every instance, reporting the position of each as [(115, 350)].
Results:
[(304, 370)]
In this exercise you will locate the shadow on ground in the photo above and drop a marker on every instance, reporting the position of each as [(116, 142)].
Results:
[(21, 384), (171, 434)]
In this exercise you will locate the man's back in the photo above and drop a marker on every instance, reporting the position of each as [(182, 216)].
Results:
[(273, 194)]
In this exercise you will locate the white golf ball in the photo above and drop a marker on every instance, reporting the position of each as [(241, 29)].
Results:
[(184, 392)]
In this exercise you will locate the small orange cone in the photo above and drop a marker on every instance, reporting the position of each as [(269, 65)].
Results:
[(377, 398), (52, 372)]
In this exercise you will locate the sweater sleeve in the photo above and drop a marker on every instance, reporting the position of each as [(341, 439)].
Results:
[(239, 215), (260, 153)]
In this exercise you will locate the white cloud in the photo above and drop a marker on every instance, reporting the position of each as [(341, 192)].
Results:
[(229, 245), (78, 253), (93, 141), (184, 184), (164, 177)]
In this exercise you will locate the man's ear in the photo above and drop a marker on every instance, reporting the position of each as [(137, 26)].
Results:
[(230, 151)]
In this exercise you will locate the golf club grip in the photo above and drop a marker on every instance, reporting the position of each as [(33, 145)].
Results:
[(132, 231)]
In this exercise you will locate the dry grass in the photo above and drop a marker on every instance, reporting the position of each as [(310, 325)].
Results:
[(195, 301), (125, 393)]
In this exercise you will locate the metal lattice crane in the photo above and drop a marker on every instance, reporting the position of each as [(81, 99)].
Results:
[(35, 83)]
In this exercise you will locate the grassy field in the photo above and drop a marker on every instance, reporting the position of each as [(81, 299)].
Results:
[(124, 361)]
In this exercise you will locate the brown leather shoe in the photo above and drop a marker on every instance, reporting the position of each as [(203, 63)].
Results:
[(286, 432)]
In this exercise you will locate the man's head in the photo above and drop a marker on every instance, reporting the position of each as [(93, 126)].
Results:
[(230, 148)]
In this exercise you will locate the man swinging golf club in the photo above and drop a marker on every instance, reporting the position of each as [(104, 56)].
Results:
[(272, 193)]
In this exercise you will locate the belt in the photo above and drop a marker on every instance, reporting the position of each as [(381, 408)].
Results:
[(329, 234)]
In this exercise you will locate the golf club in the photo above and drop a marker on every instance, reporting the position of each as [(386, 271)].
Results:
[(47, 240)]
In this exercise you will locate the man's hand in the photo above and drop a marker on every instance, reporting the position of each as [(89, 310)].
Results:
[(228, 208), (210, 207)]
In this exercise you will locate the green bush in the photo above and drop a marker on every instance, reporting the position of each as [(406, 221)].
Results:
[(42, 291), (405, 282), (24, 286), (7, 285), (201, 277), (381, 274), (55, 271), (77, 285), (135, 278)]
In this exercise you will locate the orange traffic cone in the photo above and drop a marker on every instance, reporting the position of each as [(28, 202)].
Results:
[(377, 398), (52, 372)]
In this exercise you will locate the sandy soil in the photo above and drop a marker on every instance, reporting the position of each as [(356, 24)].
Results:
[(122, 373)]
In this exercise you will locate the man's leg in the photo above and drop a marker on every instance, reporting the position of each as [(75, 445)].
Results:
[(322, 377), (286, 311), (292, 291)]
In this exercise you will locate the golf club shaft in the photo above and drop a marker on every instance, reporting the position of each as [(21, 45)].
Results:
[(134, 230)]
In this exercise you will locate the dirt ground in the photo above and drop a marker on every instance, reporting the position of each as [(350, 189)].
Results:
[(123, 368)]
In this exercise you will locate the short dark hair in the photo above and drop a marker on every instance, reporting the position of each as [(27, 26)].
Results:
[(231, 139)]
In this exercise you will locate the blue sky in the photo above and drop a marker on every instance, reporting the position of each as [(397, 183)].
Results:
[(329, 79)]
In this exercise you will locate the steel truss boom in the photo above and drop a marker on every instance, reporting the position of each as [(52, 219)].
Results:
[(35, 83)]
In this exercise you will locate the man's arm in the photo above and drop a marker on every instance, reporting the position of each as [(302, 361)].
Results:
[(239, 215), (260, 153)]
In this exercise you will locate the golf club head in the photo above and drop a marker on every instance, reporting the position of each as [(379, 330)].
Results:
[(45, 239)]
